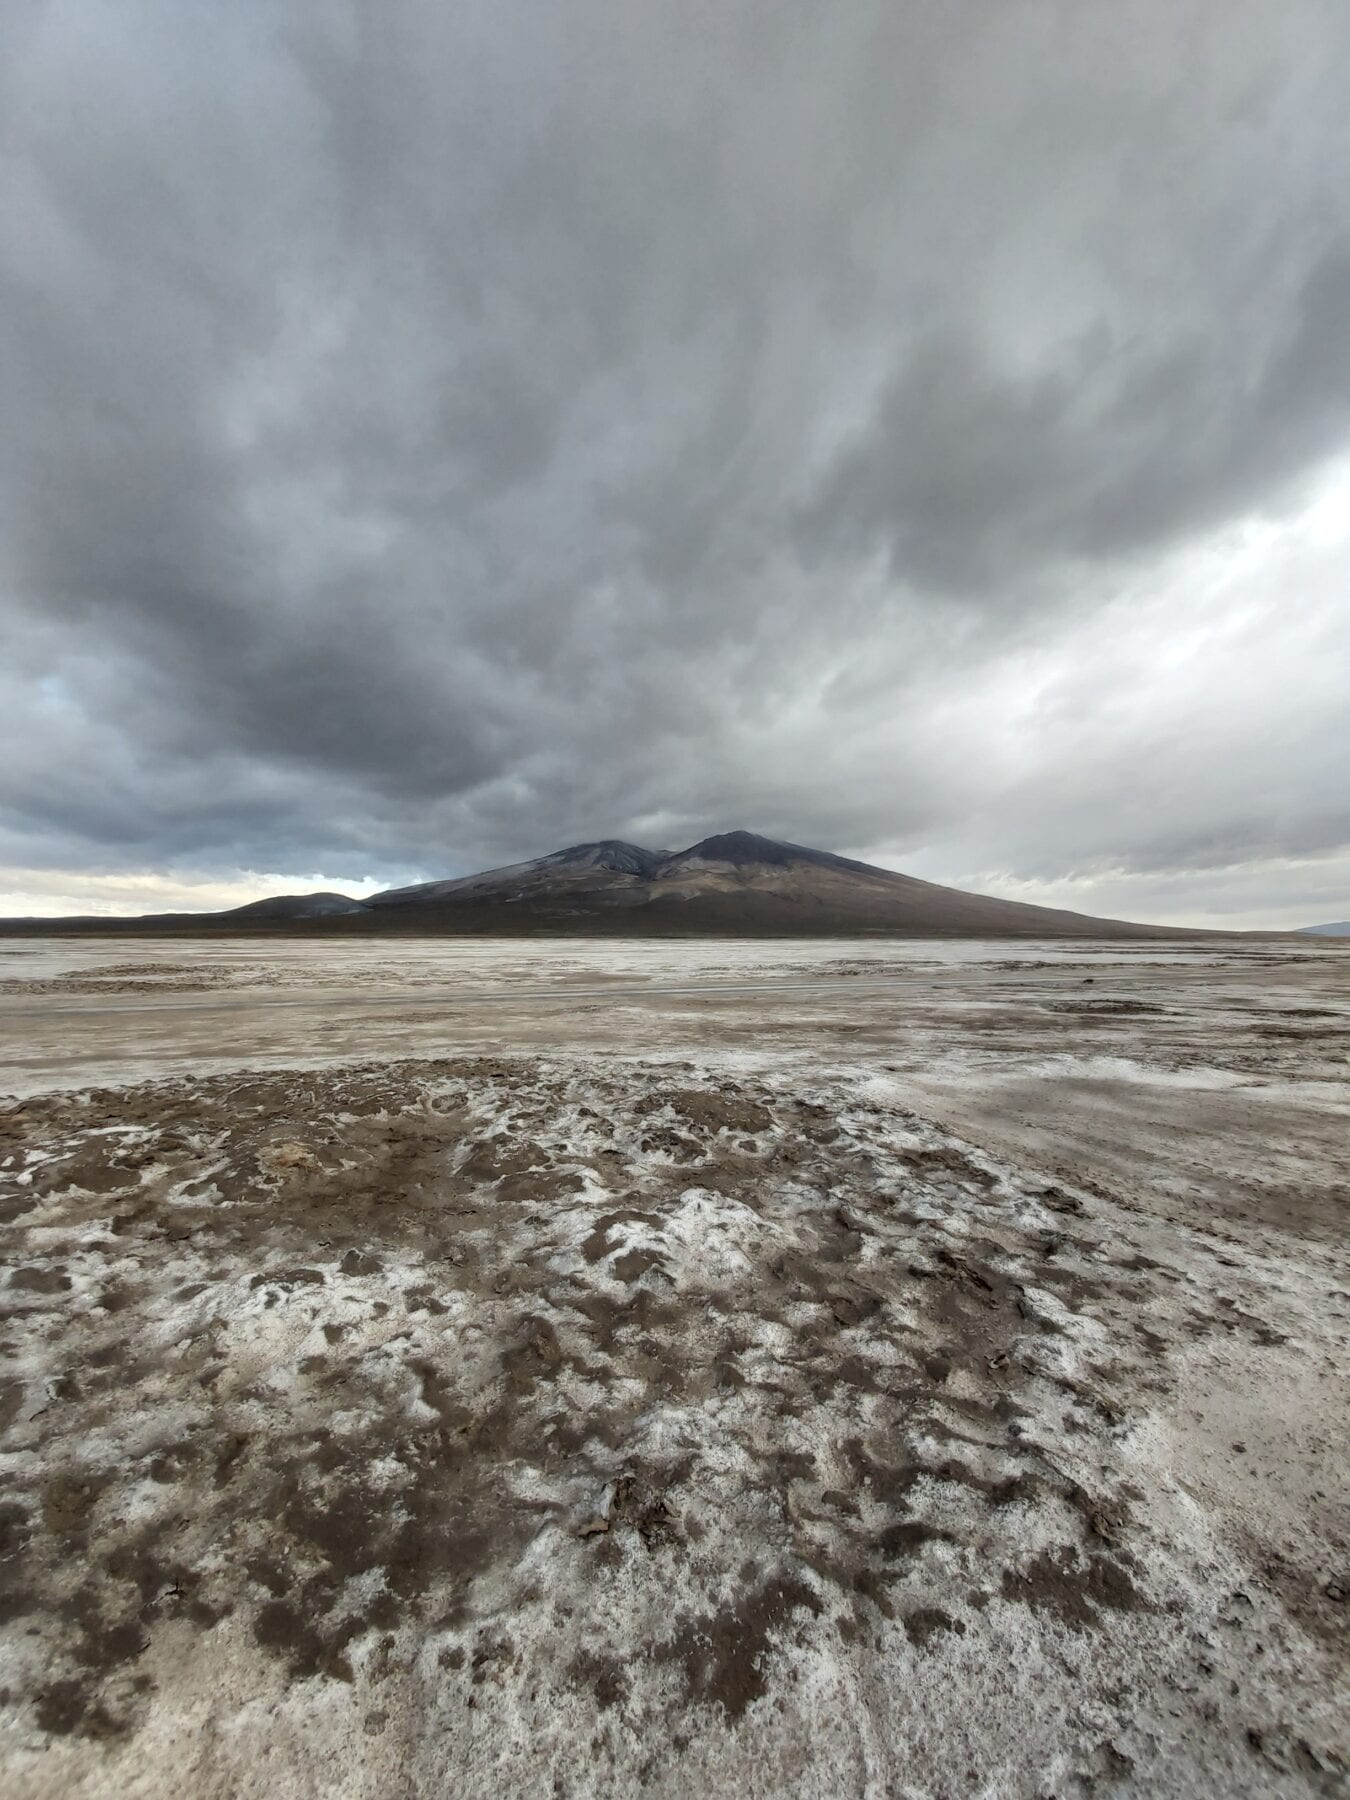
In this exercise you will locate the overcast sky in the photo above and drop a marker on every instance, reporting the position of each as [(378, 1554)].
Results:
[(433, 434)]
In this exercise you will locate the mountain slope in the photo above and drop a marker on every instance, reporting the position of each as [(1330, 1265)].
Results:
[(609, 855), (1340, 929), (733, 884)]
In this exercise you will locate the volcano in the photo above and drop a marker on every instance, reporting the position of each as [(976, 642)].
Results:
[(735, 884)]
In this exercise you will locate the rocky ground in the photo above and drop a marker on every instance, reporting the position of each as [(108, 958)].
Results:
[(804, 1391)]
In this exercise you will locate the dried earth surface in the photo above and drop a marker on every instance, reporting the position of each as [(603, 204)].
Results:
[(804, 1369)]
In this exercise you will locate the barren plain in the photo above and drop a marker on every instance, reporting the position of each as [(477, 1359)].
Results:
[(809, 1368)]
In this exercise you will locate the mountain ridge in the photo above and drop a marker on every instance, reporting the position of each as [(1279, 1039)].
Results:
[(734, 883)]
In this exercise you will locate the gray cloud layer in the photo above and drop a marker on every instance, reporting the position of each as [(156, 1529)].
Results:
[(432, 434)]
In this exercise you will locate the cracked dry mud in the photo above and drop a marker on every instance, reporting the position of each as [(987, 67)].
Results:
[(561, 1424)]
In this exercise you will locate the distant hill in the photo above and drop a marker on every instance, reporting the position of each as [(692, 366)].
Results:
[(1340, 930), (734, 884), (280, 907)]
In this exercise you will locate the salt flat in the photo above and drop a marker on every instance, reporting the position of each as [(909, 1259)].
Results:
[(794, 1368)]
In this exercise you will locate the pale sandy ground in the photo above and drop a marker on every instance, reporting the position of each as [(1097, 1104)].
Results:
[(804, 1368)]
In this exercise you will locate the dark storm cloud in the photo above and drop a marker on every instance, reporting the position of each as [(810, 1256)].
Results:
[(969, 478), (432, 434)]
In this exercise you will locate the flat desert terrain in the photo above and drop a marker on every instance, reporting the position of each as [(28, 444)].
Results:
[(808, 1368)]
